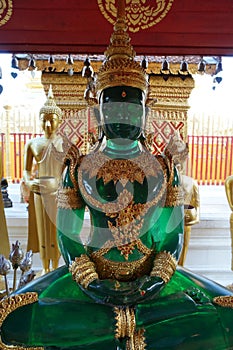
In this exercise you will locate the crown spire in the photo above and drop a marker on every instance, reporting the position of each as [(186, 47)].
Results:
[(50, 106), (50, 92), (120, 40), (120, 68)]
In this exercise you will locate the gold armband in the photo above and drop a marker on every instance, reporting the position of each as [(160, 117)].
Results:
[(174, 196), (224, 301), (83, 271), (164, 266), (69, 198)]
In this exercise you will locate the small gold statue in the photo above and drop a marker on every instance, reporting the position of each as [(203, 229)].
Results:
[(191, 211), (229, 194), (190, 191), (43, 187)]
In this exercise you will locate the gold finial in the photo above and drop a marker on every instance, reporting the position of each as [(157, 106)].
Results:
[(121, 9), (120, 68), (120, 40), (50, 92), (50, 106)]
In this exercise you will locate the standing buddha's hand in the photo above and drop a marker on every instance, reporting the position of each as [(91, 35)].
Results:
[(44, 185)]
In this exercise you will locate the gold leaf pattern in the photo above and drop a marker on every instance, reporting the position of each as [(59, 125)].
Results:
[(5, 11), (9, 305), (140, 14)]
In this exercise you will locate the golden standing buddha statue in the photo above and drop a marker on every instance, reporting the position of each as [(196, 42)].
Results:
[(229, 194), (42, 209), (191, 209)]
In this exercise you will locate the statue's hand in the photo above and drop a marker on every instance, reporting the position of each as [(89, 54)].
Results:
[(44, 185), (34, 186), (191, 215), (150, 286), (177, 148), (124, 293)]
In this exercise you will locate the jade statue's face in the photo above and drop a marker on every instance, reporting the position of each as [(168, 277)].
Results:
[(122, 112)]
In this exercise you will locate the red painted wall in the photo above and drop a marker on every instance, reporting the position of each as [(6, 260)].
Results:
[(203, 27)]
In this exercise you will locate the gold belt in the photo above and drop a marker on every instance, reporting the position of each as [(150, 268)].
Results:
[(122, 271)]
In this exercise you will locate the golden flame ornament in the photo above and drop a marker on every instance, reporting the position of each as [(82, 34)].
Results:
[(140, 14)]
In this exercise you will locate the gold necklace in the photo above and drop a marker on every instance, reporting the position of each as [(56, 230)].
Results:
[(126, 218)]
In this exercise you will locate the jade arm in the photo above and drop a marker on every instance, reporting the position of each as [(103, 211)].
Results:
[(70, 217)]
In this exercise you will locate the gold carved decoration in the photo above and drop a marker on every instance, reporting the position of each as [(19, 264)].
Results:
[(164, 266), (68, 198), (83, 270), (173, 92), (9, 305), (90, 166), (122, 170), (140, 14), (126, 328), (169, 105), (154, 64), (125, 322), (5, 11), (224, 301), (126, 270), (68, 90)]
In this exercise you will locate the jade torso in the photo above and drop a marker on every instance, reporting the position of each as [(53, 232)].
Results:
[(126, 199), (123, 197)]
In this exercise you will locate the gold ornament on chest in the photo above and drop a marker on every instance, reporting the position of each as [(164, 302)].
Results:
[(122, 170), (125, 227), (100, 166), (125, 217)]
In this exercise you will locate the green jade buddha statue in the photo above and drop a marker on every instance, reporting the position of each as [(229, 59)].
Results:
[(121, 289)]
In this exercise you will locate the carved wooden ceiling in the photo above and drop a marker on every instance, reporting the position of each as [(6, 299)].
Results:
[(162, 27)]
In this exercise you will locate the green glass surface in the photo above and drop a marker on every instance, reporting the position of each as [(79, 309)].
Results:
[(179, 315)]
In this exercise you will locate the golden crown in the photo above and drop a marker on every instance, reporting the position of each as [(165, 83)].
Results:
[(120, 68), (50, 106)]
